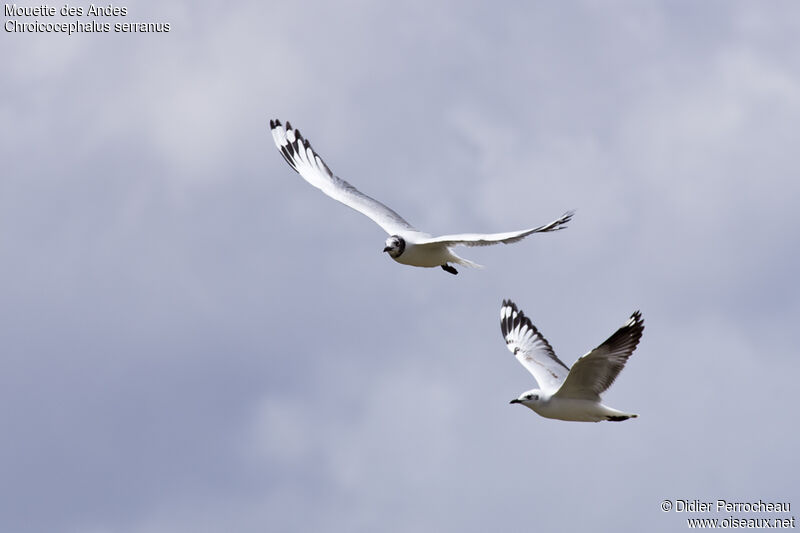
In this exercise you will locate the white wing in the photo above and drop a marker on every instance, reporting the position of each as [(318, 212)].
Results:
[(298, 153), (486, 239), (531, 349), (593, 373)]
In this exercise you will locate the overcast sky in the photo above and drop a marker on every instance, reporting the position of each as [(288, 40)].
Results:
[(195, 340)]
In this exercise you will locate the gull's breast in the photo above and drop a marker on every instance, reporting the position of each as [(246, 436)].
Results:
[(571, 409)]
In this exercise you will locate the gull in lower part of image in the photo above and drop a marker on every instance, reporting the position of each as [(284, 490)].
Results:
[(405, 244), (564, 393)]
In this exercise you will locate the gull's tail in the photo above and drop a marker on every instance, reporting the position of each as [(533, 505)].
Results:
[(461, 261)]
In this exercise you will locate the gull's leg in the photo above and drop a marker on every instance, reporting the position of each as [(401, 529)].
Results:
[(448, 268)]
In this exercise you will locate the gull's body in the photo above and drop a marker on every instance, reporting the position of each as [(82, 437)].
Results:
[(573, 410), (564, 393), (405, 244), (418, 253)]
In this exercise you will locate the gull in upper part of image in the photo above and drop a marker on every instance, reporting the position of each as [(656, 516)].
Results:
[(564, 393), (405, 244)]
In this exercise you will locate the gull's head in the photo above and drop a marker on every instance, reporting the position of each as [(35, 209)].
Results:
[(395, 245), (531, 397)]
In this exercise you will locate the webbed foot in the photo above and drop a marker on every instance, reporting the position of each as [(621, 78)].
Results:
[(448, 268)]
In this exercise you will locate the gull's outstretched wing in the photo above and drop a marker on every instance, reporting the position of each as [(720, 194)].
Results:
[(298, 153), (593, 373), (531, 349), (486, 239)]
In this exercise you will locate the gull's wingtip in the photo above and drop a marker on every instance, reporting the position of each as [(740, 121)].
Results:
[(511, 317), (565, 219), (507, 309), (556, 225)]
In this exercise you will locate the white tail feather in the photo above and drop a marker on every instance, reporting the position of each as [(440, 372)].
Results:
[(464, 262)]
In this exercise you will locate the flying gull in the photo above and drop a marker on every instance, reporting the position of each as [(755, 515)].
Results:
[(405, 244), (564, 393)]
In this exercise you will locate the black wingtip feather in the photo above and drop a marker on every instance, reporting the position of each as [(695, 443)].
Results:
[(509, 322), (638, 322), (628, 336), (286, 152), (637, 328), (562, 222)]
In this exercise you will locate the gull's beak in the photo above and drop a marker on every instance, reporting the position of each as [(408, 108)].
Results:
[(386, 249), (515, 400)]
